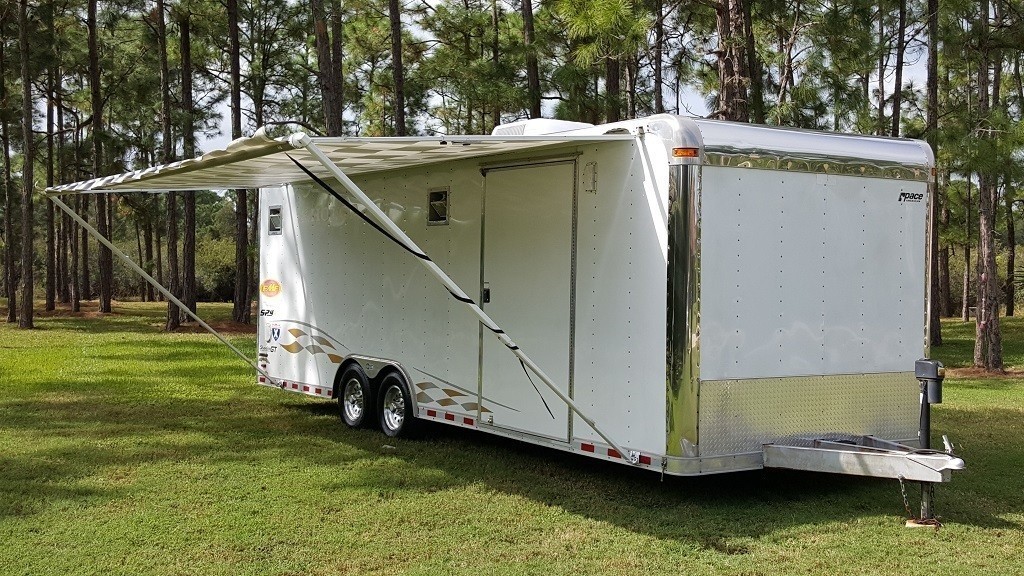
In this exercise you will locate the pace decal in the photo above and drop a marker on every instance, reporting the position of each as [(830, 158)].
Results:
[(270, 288), (911, 197)]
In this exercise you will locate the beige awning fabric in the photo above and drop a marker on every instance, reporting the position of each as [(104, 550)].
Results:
[(260, 161)]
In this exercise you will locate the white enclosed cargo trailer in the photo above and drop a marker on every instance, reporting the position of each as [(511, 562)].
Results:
[(688, 296)]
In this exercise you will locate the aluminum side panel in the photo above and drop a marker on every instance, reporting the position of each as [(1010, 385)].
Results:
[(809, 274), (738, 416), (620, 294)]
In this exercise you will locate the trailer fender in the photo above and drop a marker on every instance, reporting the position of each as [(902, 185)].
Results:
[(341, 370), (376, 370)]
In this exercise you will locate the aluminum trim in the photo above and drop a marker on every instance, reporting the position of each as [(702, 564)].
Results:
[(928, 265), (480, 294), (693, 466), (742, 415), (764, 159), (683, 330), (572, 288)]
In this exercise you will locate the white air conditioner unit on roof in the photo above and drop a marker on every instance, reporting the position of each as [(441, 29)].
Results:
[(537, 127)]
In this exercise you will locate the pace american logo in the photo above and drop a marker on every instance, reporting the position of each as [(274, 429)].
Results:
[(911, 197)]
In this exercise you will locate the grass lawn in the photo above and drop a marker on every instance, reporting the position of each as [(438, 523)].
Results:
[(124, 450)]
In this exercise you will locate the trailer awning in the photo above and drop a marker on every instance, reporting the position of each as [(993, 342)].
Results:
[(261, 161)]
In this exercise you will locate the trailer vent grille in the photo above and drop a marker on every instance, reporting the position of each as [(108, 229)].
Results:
[(437, 213)]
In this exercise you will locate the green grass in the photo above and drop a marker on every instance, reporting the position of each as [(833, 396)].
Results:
[(124, 450)]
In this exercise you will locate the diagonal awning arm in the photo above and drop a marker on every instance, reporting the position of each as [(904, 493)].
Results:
[(399, 236)]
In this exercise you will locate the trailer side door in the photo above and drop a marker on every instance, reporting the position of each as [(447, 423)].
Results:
[(527, 274)]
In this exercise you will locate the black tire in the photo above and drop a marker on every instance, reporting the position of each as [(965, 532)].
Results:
[(355, 397), (394, 407)]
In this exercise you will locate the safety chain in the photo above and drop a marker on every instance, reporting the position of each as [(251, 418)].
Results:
[(910, 515), (906, 504)]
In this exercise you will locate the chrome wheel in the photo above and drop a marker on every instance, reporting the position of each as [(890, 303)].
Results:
[(355, 397), (393, 412), (354, 400)]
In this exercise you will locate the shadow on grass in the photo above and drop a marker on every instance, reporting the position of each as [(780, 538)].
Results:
[(708, 511), (742, 504)]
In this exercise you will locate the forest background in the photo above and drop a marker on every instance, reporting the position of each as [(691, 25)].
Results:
[(96, 88)]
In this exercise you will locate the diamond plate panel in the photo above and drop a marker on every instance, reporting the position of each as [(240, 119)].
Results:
[(739, 416)]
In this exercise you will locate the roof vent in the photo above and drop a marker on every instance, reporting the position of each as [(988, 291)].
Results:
[(537, 127)]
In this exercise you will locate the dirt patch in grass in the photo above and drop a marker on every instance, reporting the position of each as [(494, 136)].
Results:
[(981, 374), (88, 310), (224, 327)]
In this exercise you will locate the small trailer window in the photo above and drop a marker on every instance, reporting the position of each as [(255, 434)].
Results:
[(437, 212), (274, 220)]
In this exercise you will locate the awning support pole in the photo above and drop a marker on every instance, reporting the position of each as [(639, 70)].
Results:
[(167, 294), (303, 141)]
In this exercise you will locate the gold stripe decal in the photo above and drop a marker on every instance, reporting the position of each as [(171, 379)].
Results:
[(314, 348)]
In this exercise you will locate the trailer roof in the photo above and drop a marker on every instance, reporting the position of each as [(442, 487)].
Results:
[(260, 161)]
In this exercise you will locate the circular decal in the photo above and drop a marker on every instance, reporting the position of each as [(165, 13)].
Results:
[(270, 288)]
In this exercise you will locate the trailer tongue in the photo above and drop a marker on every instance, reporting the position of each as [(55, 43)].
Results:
[(863, 456)]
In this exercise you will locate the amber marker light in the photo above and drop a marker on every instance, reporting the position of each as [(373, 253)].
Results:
[(685, 152)]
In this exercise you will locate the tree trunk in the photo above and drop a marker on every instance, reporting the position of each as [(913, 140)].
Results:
[(147, 234), (66, 276), (173, 283), (659, 49), (87, 287), (732, 62), (753, 67), (50, 283), (105, 261), (932, 130), (1011, 249), (988, 339), (945, 290), (397, 71), (612, 90), (79, 240), (881, 72), (495, 58), (138, 247), (27, 176), (532, 66), (189, 148), (965, 299), (945, 299), (240, 311), (337, 61), (325, 64), (631, 95), (167, 153), (159, 263), (10, 275), (901, 45)]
